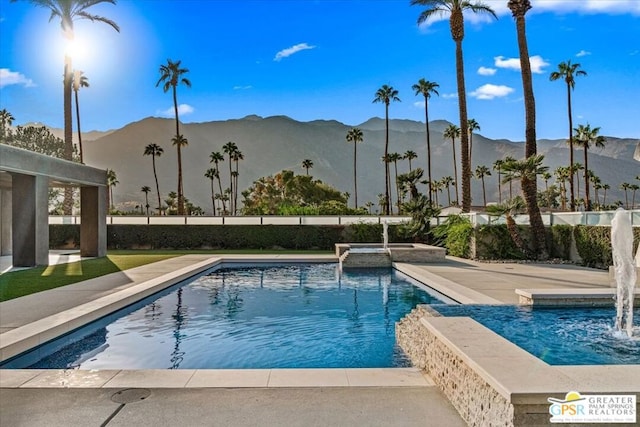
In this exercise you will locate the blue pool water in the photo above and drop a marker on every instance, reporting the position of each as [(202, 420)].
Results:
[(297, 316), (559, 336)]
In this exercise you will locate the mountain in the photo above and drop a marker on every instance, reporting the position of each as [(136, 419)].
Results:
[(275, 143)]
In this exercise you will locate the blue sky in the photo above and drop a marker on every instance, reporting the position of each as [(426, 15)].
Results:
[(324, 60)]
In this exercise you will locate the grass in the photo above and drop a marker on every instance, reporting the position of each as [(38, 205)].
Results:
[(24, 282)]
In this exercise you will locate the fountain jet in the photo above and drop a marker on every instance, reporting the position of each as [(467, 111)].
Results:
[(624, 269)]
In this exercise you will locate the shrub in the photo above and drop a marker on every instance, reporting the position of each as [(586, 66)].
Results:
[(495, 242), (455, 235)]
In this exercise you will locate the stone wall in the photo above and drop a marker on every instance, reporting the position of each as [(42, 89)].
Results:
[(478, 403)]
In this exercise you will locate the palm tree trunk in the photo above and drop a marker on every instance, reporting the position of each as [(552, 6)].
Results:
[(572, 202), (224, 205), (484, 192), (67, 202), (604, 197), (180, 194), (449, 193), (426, 120), (395, 167), (386, 164), (155, 175), (235, 190), (213, 198), (464, 135), (355, 172), (79, 132), (539, 241), (515, 236), (499, 187), (587, 202), (455, 172)]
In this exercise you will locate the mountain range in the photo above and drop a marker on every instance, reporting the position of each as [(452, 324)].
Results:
[(271, 144)]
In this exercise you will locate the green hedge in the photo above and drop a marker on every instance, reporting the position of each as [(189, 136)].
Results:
[(594, 245), (227, 236)]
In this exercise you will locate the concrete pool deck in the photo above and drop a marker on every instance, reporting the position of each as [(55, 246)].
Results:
[(339, 394)]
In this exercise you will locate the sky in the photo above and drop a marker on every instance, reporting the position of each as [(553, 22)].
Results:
[(324, 59)]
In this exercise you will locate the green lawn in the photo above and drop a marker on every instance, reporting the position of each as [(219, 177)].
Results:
[(24, 282)]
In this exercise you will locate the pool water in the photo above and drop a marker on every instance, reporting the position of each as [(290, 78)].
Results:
[(559, 336), (296, 316)]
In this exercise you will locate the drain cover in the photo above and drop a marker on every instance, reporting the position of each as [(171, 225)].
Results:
[(130, 395)]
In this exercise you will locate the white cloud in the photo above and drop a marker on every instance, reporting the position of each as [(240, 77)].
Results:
[(490, 91), (449, 95), (582, 6), (291, 50), (183, 109), (537, 63), (8, 77), (583, 53), (486, 71), (247, 87), (418, 104)]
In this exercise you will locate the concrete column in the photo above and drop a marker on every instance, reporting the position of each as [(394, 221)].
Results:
[(93, 221), (5, 221), (30, 220)]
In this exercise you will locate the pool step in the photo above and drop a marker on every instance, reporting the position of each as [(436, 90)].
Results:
[(368, 259)]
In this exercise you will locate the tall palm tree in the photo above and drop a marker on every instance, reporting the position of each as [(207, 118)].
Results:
[(394, 157), (605, 187), (79, 81), (112, 181), (369, 205), (481, 172), (154, 150), (386, 94), (237, 156), (568, 72), (229, 149), (546, 176), (69, 11), (586, 138), (171, 75), (216, 157), (409, 155), (211, 174), (634, 188), (180, 141), (626, 186), (473, 126), (508, 159), (497, 165), (447, 181), (526, 170), (562, 176), (355, 135), (455, 9), (307, 164), (146, 190), (577, 167), (453, 132), (426, 88)]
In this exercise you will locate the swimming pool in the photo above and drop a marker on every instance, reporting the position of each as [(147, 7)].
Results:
[(291, 316), (558, 336)]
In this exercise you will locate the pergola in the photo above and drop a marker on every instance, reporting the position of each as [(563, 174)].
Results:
[(25, 178)]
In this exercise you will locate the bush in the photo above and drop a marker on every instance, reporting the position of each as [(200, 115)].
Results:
[(495, 242), (594, 245), (559, 239), (455, 235)]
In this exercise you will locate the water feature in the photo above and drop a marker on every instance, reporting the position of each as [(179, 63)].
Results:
[(385, 235), (624, 270)]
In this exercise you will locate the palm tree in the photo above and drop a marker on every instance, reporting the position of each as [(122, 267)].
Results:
[(229, 149), (386, 94), (394, 157), (577, 167), (112, 181), (410, 155), (546, 176), (211, 174), (426, 88), (154, 150), (597, 185), (237, 156), (605, 187), (146, 190), (585, 137), (355, 135), (180, 141), (79, 81), (497, 165), (216, 157), (634, 188), (562, 176), (455, 9), (508, 159), (307, 164), (626, 186), (526, 170), (568, 72), (171, 75), (473, 126), (69, 11), (447, 181), (6, 120), (481, 172), (509, 210), (453, 132)]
